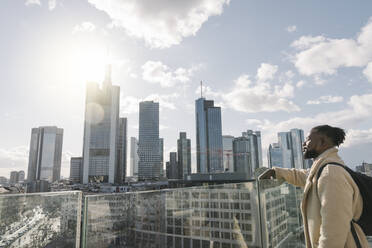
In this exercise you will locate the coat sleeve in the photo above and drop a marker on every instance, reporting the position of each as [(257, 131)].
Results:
[(293, 176), (336, 196)]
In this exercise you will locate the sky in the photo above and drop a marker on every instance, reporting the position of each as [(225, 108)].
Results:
[(271, 66)]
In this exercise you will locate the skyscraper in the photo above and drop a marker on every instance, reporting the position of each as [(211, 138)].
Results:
[(45, 154), (148, 141), (228, 155), (291, 145), (104, 134), (76, 164), (134, 157), (122, 151), (13, 178), (254, 138), (242, 156), (184, 155), (161, 151), (21, 176), (173, 166), (275, 155), (209, 148)]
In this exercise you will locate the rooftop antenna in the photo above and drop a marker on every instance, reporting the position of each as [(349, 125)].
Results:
[(201, 89), (108, 66)]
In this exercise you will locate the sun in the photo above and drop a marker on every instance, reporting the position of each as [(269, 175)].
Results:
[(90, 64)]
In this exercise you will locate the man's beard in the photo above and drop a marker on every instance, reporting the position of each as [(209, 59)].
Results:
[(310, 154)]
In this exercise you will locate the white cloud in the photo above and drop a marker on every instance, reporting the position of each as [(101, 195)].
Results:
[(253, 121), (52, 4), (160, 23), (358, 137), (157, 72), (289, 74), (207, 92), (322, 55), (300, 84), (32, 2), (84, 27), (325, 99), (291, 29), (359, 109), (165, 101), (305, 42), (266, 72), (368, 72), (130, 104), (260, 96)]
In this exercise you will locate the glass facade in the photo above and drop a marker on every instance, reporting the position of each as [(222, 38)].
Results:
[(254, 138), (209, 150), (40, 220), (149, 165), (275, 156), (251, 214), (45, 154), (242, 156), (104, 149), (290, 144), (228, 156), (184, 155)]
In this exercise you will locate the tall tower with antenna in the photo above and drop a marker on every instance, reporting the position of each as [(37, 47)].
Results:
[(209, 148)]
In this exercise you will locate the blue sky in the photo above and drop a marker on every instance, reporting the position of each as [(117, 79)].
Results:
[(270, 65)]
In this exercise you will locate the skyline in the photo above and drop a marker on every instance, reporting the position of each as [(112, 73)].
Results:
[(271, 67)]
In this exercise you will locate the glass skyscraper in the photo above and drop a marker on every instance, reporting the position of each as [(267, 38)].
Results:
[(254, 138), (290, 144), (134, 157), (45, 154), (228, 156), (184, 155), (209, 148), (275, 155), (243, 156), (149, 165), (104, 149)]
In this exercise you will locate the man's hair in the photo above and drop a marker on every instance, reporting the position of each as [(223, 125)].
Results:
[(336, 134)]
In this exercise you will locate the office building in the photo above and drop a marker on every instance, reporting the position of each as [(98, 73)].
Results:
[(365, 168), (76, 166), (275, 156), (45, 154), (104, 148), (242, 156), (149, 165), (3, 181), (228, 156), (13, 178), (184, 155), (134, 157), (209, 150), (254, 138), (161, 151), (172, 166), (21, 176), (122, 151), (291, 145)]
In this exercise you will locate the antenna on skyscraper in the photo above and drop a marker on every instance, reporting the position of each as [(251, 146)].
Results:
[(201, 89)]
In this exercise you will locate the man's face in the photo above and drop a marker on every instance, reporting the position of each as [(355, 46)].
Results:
[(312, 145)]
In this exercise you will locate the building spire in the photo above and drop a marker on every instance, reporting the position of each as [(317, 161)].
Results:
[(108, 74), (201, 89)]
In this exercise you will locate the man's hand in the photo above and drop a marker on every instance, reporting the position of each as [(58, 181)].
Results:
[(269, 174)]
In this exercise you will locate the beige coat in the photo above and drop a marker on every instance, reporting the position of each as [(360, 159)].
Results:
[(328, 204)]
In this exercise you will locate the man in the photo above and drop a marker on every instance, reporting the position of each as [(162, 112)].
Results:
[(330, 202)]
